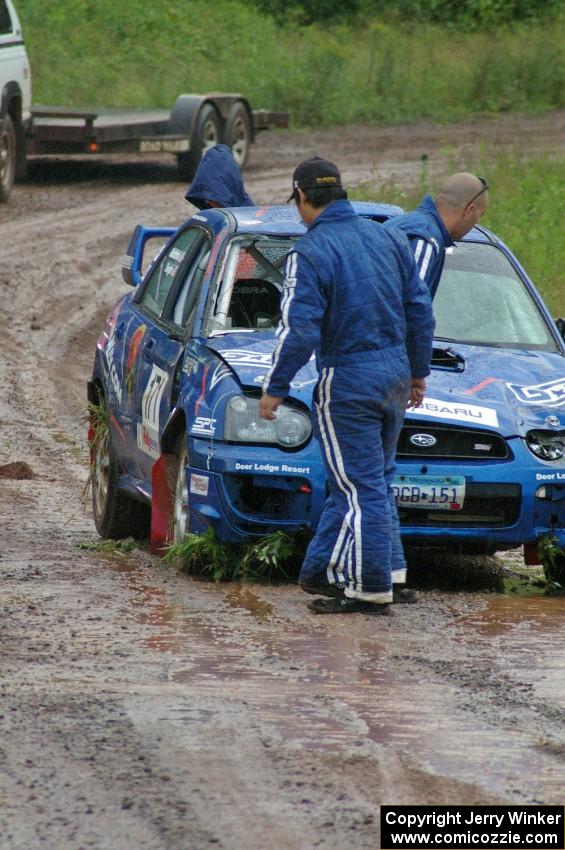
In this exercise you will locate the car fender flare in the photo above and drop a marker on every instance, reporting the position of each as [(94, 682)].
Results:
[(176, 423)]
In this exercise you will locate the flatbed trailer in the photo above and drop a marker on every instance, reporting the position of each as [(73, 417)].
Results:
[(194, 124)]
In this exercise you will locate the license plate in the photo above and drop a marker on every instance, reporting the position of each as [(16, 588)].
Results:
[(166, 145), (431, 492)]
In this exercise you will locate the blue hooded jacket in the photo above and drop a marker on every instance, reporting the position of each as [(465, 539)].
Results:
[(218, 179), (428, 237), (352, 294)]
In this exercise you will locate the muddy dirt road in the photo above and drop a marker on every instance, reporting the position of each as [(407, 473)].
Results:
[(142, 709)]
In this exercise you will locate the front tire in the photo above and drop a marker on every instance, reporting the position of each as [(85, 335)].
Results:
[(207, 134), (116, 515), (8, 156)]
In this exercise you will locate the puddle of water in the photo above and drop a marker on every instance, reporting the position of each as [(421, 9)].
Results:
[(527, 634), (241, 596), (508, 613), (332, 687)]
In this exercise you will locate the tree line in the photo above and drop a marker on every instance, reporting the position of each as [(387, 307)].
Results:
[(475, 14)]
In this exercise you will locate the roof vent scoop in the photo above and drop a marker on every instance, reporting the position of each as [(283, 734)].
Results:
[(446, 358)]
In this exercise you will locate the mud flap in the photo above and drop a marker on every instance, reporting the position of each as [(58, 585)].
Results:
[(90, 437), (531, 554), (163, 481)]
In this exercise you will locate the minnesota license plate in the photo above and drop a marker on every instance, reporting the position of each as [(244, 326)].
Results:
[(166, 145), (432, 492)]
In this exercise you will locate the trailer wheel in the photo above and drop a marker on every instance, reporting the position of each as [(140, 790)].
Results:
[(207, 133), (116, 515), (239, 133), (181, 505), (7, 157)]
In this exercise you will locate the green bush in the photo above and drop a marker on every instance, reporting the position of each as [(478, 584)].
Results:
[(527, 209), (365, 68), (269, 558)]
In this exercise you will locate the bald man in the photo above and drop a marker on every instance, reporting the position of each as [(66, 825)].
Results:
[(434, 225)]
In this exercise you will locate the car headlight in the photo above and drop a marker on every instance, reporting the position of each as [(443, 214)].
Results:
[(243, 424), (547, 445)]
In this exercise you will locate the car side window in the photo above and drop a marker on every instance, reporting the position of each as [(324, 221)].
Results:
[(187, 298), (163, 275), (5, 22), (249, 295)]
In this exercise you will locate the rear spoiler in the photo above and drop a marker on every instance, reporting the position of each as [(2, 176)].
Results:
[(132, 262)]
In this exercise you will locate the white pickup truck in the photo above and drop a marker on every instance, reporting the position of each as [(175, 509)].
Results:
[(15, 102), (195, 123)]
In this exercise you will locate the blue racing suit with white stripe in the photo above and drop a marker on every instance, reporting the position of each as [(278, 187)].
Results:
[(429, 239), (352, 294)]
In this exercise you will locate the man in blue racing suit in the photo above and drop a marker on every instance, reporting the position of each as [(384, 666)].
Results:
[(352, 294), (432, 227), (218, 182)]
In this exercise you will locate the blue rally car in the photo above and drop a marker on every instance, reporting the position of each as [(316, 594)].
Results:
[(180, 363)]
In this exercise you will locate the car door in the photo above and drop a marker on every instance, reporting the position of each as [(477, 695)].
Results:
[(167, 298)]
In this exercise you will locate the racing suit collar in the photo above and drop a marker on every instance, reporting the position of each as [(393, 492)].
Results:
[(428, 206), (336, 211)]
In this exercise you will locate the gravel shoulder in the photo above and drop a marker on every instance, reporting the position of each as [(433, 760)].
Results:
[(141, 708)]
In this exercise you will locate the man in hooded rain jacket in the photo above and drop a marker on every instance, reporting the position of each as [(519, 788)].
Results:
[(218, 182)]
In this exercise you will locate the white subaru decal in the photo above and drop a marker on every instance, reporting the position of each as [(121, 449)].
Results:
[(221, 371), (237, 357), (148, 431), (199, 484), (114, 377), (147, 440), (204, 425), (272, 467), (552, 392), (436, 408)]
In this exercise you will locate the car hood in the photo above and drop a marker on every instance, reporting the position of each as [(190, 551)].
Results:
[(509, 391), (250, 356)]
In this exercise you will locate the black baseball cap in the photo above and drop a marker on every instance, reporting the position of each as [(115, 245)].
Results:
[(315, 173)]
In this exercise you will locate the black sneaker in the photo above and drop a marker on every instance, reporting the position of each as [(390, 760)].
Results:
[(333, 590), (403, 594), (345, 605)]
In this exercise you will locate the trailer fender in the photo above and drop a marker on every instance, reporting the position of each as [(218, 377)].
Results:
[(207, 120), (184, 114)]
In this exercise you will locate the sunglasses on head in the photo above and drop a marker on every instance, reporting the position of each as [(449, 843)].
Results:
[(480, 192)]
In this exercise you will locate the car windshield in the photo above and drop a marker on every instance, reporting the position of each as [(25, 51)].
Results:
[(482, 300), (248, 293)]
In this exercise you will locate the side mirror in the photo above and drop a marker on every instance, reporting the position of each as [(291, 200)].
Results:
[(561, 327), (132, 263)]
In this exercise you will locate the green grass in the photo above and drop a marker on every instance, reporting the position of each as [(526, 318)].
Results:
[(527, 210), (553, 558), (145, 54), (117, 548), (272, 557)]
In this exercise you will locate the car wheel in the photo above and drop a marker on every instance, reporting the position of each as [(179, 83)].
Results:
[(7, 157), (238, 133), (116, 515), (207, 134), (181, 506)]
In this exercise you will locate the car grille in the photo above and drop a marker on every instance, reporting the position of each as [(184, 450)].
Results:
[(489, 505), (419, 440)]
